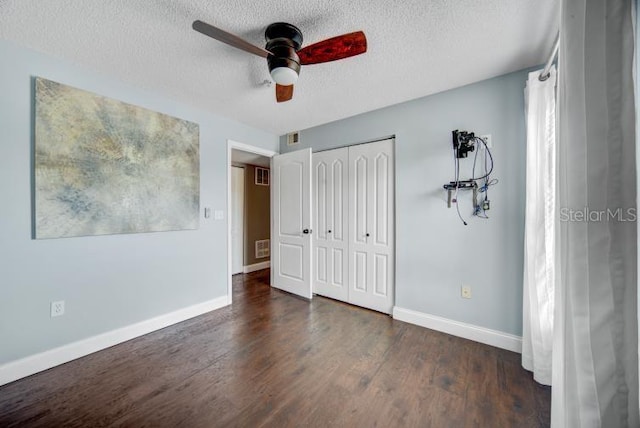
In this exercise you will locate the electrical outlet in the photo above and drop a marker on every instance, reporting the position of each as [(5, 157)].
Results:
[(487, 139), (466, 292), (57, 308), (218, 215)]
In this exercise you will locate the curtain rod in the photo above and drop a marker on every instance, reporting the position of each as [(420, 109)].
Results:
[(544, 75)]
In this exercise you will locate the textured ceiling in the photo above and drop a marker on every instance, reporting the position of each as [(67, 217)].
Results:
[(416, 48)]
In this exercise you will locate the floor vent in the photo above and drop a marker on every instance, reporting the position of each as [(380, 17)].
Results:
[(262, 249)]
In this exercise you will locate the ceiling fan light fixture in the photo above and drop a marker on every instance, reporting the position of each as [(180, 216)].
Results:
[(284, 52), (284, 76)]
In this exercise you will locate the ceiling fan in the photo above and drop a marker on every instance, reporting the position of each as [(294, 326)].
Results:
[(284, 52)]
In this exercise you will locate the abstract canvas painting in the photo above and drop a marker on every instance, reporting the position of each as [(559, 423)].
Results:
[(106, 167)]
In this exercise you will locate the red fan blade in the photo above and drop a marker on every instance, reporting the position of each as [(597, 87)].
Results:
[(333, 49), (284, 93)]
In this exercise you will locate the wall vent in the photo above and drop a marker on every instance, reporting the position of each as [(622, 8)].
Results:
[(262, 249), (293, 138), (262, 176)]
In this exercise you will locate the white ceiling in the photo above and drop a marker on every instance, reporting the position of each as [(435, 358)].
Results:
[(416, 48)]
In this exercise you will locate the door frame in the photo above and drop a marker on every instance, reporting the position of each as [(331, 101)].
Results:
[(241, 177), (231, 145)]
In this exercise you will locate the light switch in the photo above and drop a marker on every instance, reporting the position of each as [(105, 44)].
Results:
[(207, 212), (218, 215)]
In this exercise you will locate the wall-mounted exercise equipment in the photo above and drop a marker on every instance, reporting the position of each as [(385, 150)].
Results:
[(463, 143)]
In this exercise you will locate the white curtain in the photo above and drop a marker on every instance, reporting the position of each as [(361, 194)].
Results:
[(539, 239), (595, 353)]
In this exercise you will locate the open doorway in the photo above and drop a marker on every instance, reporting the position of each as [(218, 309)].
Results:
[(248, 201), (250, 212)]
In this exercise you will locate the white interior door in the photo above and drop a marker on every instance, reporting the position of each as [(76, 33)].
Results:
[(237, 220), (291, 222), (330, 224), (371, 228)]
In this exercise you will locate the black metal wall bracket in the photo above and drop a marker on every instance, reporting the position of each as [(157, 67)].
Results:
[(460, 185), (463, 143)]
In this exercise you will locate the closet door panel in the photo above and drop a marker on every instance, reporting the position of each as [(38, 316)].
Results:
[(371, 204), (360, 270), (338, 267), (380, 279), (360, 195), (339, 197), (322, 273), (381, 201), (321, 200), (330, 228)]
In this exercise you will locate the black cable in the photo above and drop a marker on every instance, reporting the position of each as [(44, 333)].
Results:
[(456, 163), (478, 209), (476, 206), (490, 157), (473, 169), (458, 209), (487, 181)]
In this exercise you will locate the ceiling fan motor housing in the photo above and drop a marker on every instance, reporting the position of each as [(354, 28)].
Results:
[(283, 41)]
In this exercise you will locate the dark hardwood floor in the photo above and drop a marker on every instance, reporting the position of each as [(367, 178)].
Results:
[(272, 359)]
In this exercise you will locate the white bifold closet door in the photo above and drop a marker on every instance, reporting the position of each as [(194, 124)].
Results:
[(371, 225), (366, 258), (330, 203)]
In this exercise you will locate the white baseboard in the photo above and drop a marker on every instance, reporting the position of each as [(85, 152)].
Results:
[(45, 360), (257, 266), (484, 335)]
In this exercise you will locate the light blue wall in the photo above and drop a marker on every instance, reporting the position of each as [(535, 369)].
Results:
[(435, 252), (107, 281)]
